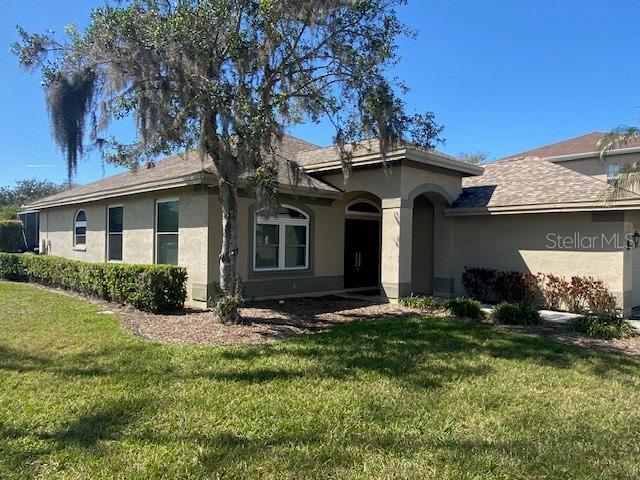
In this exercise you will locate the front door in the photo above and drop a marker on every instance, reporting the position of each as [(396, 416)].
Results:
[(362, 253)]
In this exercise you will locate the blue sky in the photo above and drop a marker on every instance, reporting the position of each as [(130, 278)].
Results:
[(502, 76)]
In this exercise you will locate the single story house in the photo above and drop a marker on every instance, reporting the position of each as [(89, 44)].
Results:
[(411, 226)]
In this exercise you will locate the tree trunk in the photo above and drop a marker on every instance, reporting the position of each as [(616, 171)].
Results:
[(227, 307)]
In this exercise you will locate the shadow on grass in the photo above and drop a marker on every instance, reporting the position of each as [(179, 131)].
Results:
[(421, 352)]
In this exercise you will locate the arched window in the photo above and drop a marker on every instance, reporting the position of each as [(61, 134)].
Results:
[(361, 206), (281, 240), (80, 229)]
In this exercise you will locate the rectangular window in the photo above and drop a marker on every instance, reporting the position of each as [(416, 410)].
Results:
[(167, 217), (267, 246), (296, 247), (115, 217), (613, 172), (281, 240)]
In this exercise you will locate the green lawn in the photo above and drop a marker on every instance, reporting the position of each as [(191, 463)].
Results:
[(387, 398)]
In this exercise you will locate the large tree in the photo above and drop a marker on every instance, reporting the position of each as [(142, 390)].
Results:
[(227, 77), (25, 191)]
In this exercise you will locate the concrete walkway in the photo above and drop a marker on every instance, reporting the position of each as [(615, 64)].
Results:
[(562, 318)]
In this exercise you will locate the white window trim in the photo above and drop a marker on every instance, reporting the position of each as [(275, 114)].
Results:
[(361, 214), (81, 247), (117, 205), (282, 223), (155, 225)]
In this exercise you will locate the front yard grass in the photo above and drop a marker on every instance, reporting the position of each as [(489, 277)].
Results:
[(385, 398)]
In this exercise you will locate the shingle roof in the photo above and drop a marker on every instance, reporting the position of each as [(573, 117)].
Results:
[(583, 144), (186, 165), (529, 181), (327, 155)]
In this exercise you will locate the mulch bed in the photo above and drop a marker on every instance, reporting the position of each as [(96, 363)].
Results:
[(272, 320), (267, 321)]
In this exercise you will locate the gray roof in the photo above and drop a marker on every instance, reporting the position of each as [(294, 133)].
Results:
[(530, 181), (186, 168), (367, 152)]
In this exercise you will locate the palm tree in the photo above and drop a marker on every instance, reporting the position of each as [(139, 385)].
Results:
[(628, 181)]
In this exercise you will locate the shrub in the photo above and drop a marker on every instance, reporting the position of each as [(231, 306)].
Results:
[(465, 307), (153, 288), (518, 313), (11, 239), (579, 295), (479, 282), (554, 291), (419, 302), (12, 267), (517, 287), (602, 326)]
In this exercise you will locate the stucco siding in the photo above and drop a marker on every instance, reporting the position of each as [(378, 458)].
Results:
[(56, 228), (522, 243)]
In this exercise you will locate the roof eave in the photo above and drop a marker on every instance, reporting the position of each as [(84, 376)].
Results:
[(431, 158), (564, 207), (164, 184), (580, 156)]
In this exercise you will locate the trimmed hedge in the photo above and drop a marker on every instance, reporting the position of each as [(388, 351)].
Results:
[(11, 239), (152, 288)]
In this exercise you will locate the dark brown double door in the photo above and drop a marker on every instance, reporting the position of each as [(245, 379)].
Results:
[(362, 253)]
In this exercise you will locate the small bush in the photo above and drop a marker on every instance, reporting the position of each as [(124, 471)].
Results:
[(153, 288), (519, 313), (517, 287), (465, 307), (479, 282), (419, 302), (11, 239), (553, 291), (603, 326)]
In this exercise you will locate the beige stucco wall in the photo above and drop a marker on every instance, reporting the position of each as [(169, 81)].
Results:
[(520, 242), (595, 167), (325, 272), (56, 228)]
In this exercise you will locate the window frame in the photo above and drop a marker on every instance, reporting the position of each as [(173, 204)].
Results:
[(611, 178), (282, 224), (109, 207), (76, 245), (177, 233), (362, 214)]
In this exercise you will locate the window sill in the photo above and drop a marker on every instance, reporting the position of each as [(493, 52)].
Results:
[(80, 249)]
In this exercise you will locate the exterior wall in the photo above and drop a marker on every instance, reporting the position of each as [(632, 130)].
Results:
[(520, 242), (398, 187), (56, 228), (594, 167), (326, 252)]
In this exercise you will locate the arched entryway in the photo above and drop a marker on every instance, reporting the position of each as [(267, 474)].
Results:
[(362, 244), (427, 210)]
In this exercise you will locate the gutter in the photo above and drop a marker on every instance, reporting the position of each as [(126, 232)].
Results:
[(200, 178), (541, 208), (580, 156)]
